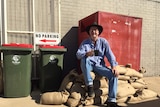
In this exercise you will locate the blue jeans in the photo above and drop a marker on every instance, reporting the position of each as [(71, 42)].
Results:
[(87, 67)]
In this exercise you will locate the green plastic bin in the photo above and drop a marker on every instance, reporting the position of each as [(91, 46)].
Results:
[(17, 69), (51, 67)]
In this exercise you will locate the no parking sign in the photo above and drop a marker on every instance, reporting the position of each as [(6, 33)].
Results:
[(43, 38)]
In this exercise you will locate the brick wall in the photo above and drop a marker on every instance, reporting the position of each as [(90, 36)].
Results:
[(74, 10), (47, 19)]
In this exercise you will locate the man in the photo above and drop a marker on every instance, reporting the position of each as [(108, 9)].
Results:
[(91, 53)]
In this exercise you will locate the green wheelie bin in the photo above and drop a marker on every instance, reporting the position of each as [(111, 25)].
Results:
[(16, 69), (51, 67)]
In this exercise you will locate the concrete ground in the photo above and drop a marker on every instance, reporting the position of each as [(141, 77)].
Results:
[(33, 99)]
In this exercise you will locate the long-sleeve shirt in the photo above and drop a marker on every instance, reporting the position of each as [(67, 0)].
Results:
[(102, 46)]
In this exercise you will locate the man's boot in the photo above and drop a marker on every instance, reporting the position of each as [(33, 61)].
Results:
[(112, 104), (91, 92)]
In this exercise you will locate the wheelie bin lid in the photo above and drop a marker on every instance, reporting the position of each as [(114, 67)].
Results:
[(17, 46), (52, 48)]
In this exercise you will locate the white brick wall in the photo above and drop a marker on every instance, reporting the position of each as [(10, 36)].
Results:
[(19, 18), (74, 10)]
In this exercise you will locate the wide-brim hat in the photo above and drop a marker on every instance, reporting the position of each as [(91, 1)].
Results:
[(100, 28)]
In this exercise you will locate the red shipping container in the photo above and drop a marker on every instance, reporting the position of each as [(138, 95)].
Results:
[(122, 32)]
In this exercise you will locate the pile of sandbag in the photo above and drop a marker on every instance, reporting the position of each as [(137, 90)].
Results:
[(74, 84), (131, 88)]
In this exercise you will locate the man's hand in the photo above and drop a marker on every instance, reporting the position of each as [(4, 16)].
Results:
[(115, 71), (90, 53)]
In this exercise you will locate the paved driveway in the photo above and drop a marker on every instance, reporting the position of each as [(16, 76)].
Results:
[(33, 99)]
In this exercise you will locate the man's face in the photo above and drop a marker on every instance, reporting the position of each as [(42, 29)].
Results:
[(94, 33)]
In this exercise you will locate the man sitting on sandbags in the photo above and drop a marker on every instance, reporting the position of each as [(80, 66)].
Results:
[(91, 53)]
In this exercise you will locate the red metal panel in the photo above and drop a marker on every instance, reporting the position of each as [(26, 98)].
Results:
[(122, 32)]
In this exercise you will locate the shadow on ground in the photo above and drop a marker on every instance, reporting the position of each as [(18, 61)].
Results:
[(153, 103), (36, 95)]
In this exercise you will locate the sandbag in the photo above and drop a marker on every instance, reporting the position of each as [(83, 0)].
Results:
[(68, 80), (81, 76), (121, 69), (79, 88), (56, 98), (123, 99), (133, 79), (123, 77), (138, 85), (134, 99), (101, 83), (143, 95), (93, 75), (101, 92), (68, 86), (125, 90), (132, 72), (122, 82), (71, 102), (141, 81), (146, 94), (74, 99), (96, 100), (138, 80), (75, 95), (142, 70)]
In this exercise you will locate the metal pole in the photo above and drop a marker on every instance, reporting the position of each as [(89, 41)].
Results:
[(33, 16), (4, 20), (0, 22), (59, 16)]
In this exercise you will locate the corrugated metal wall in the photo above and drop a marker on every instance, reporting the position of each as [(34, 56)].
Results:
[(24, 18), (44, 15), (19, 21)]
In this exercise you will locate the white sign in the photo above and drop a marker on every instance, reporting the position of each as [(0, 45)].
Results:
[(43, 38)]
